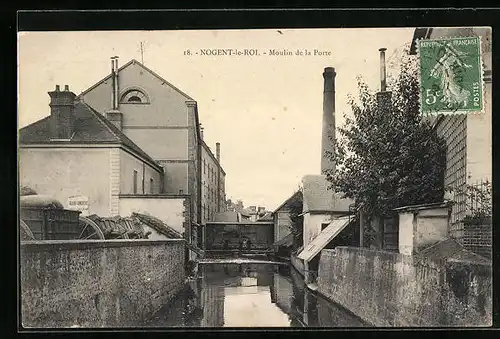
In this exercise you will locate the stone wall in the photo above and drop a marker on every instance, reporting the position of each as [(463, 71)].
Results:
[(98, 283), (392, 289)]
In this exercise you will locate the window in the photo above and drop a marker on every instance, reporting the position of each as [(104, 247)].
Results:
[(135, 182), (151, 186), (134, 96)]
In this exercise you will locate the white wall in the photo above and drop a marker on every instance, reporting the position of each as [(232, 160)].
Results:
[(312, 226), (406, 233), (154, 233)]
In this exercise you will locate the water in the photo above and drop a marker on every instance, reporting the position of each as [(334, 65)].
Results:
[(250, 295)]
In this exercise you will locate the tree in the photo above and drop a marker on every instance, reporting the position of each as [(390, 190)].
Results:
[(388, 155), (296, 218)]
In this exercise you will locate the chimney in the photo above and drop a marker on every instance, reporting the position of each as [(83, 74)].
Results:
[(328, 127), (383, 83), (114, 115), (62, 118), (217, 151), (201, 131), (114, 75), (383, 97)]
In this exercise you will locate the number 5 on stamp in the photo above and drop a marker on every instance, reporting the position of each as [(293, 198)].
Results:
[(450, 75)]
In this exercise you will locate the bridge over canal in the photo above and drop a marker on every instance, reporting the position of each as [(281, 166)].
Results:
[(229, 238)]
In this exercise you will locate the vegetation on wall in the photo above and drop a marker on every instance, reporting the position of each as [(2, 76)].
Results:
[(478, 201)]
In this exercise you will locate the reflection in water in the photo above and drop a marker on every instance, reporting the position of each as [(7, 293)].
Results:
[(250, 295)]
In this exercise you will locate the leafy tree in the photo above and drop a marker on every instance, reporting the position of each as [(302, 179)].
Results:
[(388, 155)]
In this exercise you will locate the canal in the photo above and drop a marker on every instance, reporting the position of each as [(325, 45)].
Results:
[(250, 295)]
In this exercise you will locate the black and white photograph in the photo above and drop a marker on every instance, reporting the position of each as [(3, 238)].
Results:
[(255, 178)]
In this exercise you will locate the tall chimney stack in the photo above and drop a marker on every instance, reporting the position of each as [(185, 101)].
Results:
[(384, 97), (113, 84), (114, 115), (328, 127), (201, 131), (383, 81), (217, 151), (62, 118)]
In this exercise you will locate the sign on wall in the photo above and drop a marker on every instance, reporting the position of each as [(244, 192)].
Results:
[(79, 203)]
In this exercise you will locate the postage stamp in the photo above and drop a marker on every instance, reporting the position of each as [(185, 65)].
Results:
[(450, 75)]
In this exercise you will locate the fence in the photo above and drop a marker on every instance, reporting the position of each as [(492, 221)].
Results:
[(473, 228)]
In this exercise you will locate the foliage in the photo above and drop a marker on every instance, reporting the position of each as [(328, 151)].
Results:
[(478, 200), (296, 218), (388, 155)]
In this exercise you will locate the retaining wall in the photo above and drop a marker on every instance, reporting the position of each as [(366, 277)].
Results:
[(392, 289), (98, 283)]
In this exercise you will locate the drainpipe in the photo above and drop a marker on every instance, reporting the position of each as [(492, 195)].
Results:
[(143, 175), (361, 227)]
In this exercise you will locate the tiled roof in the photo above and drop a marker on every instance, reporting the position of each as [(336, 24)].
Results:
[(158, 225), (318, 198), (91, 127)]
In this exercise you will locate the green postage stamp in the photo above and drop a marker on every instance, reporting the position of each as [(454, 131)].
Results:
[(451, 79)]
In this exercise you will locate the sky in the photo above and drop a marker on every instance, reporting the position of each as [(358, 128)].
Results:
[(265, 110)]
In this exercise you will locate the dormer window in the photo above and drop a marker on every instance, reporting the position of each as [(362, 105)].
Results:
[(134, 96)]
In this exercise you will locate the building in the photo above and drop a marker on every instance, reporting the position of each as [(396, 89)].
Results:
[(322, 208), (213, 196), (468, 143), (77, 154), (76, 151), (283, 237), (164, 122)]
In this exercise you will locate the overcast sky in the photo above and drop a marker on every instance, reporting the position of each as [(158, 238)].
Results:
[(264, 110)]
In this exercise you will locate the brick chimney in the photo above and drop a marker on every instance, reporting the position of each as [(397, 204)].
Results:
[(217, 151), (62, 118), (328, 127)]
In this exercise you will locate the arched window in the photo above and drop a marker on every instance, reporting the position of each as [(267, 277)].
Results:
[(134, 96)]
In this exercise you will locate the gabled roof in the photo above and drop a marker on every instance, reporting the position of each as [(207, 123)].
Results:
[(90, 127), (285, 203), (135, 62), (158, 225), (419, 33), (319, 198)]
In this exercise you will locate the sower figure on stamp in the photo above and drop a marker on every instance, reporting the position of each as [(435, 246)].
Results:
[(446, 68)]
